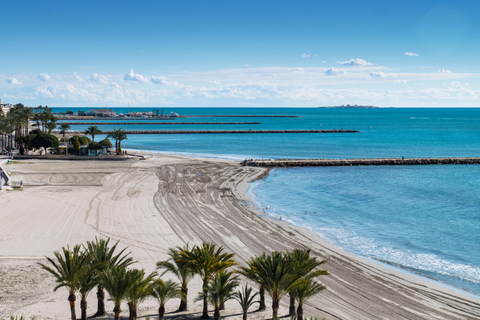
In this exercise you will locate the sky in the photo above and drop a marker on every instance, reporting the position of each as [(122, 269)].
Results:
[(240, 53)]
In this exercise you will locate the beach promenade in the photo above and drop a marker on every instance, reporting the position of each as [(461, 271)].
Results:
[(166, 201)]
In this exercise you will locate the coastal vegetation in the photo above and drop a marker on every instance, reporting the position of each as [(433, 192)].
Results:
[(98, 264)]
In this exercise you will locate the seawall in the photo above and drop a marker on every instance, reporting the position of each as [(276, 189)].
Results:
[(230, 131), (356, 162), (152, 123)]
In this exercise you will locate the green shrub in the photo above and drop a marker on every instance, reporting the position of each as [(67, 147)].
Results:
[(45, 140), (106, 143), (94, 146)]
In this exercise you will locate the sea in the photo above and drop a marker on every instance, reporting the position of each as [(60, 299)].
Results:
[(421, 219)]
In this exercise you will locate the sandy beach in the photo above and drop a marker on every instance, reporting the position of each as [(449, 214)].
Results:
[(150, 206)]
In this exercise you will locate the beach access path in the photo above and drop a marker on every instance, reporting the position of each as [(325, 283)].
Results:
[(167, 201)]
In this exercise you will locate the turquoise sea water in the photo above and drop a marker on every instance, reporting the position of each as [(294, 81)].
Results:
[(425, 219)]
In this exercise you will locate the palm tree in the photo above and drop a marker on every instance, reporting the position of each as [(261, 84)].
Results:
[(246, 299), (251, 273), (69, 268), (219, 290), (206, 260), (139, 290), (64, 128), (87, 283), (305, 267), (275, 273), (305, 291), (164, 291), (93, 131), (119, 135), (183, 272), (117, 281), (105, 257)]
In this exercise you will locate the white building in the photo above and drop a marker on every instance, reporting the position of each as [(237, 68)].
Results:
[(5, 108)]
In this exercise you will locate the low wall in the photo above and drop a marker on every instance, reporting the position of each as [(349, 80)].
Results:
[(72, 157)]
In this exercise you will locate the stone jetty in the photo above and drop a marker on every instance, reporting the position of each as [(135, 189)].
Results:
[(230, 131), (355, 162), (152, 123), (237, 116)]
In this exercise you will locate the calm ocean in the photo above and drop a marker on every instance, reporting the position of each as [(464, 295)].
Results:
[(425, 219)]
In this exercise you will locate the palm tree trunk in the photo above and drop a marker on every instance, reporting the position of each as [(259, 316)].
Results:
[(83, 307), (291, 310), (222, 305), (300, 312), (216, 314), (161, 312), (262, 299), (100, 302), (205, 304), (245, 315), (205, 308), (183, 300), (117, 311), (71, 299), (275, 306)]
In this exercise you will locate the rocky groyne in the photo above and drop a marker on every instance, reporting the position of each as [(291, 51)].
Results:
[(153, 123), (355, 162), (230, 131)]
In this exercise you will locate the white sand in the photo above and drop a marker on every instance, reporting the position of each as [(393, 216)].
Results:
[(153, 205)]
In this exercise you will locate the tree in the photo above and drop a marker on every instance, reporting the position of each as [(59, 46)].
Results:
[(64, 128), (164, 291), (76, 144), (305, 267), (183, 272), (219, 290), (119, 135), (251, 272), (93, 131), (69, 268), (138, 290), (304, 291), (45, 140), (246, 299), (117, 281), (87, 282), (106, 257), (275, 273), (106, 143), (206, 260)]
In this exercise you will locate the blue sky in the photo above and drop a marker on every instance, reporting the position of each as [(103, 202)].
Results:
[(240, 53)]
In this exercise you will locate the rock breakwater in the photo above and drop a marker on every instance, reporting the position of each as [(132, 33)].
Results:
[(356, 162)]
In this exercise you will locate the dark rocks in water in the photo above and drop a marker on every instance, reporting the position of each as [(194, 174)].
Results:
[(356, 162)]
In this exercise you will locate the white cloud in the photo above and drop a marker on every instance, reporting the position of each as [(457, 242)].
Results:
[(411, 54), (304, 55), (378, 74), (99, 78), (335, 72), (324, 61), (43, 77), (158, 80), (400, 81), (355, 62), (13, 81), (135, 77), (443, 70)]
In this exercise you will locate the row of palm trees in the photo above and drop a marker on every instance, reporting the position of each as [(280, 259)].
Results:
[(14, 127), (97, 264)]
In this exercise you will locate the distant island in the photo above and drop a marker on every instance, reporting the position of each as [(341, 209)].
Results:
[(352, 107)]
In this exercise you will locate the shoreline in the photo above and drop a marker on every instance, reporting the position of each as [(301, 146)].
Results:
[(186, 209)]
